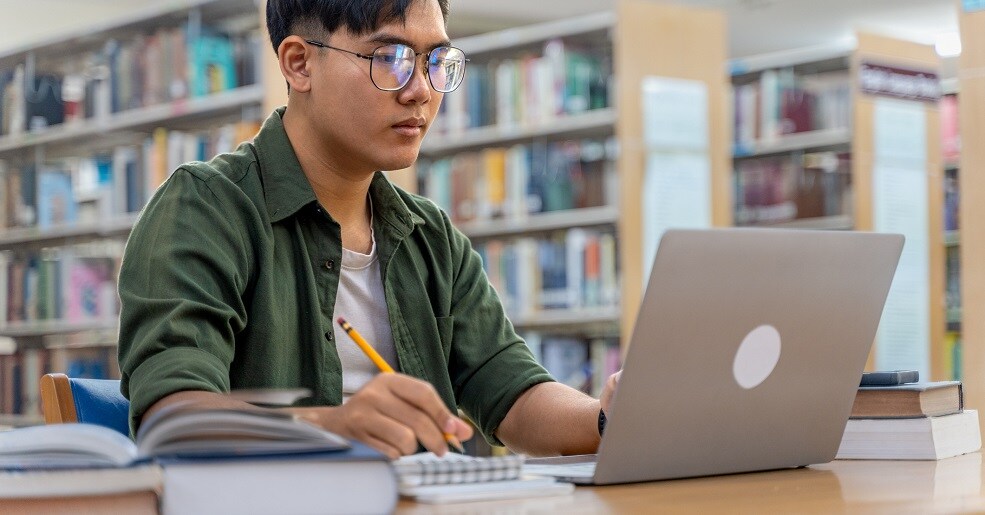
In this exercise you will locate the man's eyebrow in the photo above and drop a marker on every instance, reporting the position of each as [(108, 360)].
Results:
[(384, 38)]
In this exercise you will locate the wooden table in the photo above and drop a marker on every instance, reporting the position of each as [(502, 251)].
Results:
[(953, 485)]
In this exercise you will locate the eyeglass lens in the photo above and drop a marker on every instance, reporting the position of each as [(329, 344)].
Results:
[(393, 66)]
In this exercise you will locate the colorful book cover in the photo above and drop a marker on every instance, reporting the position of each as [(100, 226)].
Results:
[(86, 280), (56, 202), (212, 66)]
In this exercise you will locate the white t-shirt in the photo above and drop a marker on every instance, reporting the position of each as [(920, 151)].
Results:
[(360, 300)]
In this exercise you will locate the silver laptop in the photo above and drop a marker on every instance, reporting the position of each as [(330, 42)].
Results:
[(746, 355)]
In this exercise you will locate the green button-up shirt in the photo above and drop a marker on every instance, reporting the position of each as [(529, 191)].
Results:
[(229, 281)]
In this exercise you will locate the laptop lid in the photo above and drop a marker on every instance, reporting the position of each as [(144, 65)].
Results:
[(747, 352)]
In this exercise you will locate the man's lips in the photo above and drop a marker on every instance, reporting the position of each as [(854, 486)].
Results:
[(410, 126)]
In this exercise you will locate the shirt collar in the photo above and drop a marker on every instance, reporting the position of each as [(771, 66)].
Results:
[(287, 190)]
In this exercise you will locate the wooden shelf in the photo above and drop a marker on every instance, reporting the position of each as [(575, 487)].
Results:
[(602, 320), (536, 34), (952, 238), (950, 86), (812, 140), (112, 227), (835, 53), (146, 19), (142, 118), (598, 122), (50, 327), (8, 420), (542, 222)]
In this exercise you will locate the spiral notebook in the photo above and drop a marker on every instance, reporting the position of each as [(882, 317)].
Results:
[(427, 468), (456, 478)]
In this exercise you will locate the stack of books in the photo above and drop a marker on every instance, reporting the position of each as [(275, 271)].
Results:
[(192, 460), (915, 421)]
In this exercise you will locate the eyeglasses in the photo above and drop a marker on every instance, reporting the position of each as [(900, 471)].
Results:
[(392, 66)]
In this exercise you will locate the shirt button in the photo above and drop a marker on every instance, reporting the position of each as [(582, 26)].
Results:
[(330, 265), (328, 336)]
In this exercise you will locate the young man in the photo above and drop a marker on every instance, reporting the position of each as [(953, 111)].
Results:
[(238, 267)]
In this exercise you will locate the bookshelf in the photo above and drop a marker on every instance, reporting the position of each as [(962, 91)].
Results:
[(971, 114), (592, 67), (951, 152), (925, 345), (133, 101), (791, 111), (812, 150)]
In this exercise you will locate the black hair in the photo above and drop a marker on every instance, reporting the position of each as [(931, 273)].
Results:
[(286, 17)]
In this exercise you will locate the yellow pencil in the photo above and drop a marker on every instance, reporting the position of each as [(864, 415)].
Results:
[(385, 368)]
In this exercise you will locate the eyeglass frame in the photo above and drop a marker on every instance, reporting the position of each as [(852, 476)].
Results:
[(371, 58)]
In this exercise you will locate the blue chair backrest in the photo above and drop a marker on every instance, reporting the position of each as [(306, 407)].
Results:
[(99, 401)]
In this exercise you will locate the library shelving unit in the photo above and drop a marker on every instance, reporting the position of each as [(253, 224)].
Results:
[(971, 114), (553, 112), (813, 149), (792, 138), (951, 152), (90, 124)]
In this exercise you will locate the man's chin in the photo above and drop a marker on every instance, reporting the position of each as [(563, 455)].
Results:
[(399, 162)]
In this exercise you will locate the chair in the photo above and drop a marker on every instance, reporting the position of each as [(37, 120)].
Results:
[(89, 401)]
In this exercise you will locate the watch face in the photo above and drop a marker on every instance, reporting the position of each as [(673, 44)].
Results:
[(602, 421)]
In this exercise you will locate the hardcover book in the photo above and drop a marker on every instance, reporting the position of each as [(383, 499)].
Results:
[(924, 399)]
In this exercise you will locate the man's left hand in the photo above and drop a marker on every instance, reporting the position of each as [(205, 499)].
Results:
[(609, 392)]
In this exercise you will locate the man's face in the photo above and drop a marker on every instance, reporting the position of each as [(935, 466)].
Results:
[(366, 129)]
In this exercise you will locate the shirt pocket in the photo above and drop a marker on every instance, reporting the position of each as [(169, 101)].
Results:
[(446, 331)]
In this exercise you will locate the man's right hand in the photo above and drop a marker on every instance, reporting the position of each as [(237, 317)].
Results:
[(392, 413)]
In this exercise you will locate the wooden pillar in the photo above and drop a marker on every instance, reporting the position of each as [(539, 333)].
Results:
[(673, 42), (971, 111), (907, 55)]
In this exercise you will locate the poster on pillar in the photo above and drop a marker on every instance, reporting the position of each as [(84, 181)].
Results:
[(677, 180), (900, 205)]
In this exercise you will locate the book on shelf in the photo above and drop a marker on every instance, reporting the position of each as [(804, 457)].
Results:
[(170, 63), (567, 359), (211, 65), (580, 362), (782, 101), (71, 284), (56, 203), (922, 399), (530, 89), (563, 270), (785, 188), (41, 492), (457, 478), (4, 287), (950, 129), (924, 438)]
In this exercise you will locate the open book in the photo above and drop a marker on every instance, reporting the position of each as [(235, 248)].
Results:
[(181, 431)]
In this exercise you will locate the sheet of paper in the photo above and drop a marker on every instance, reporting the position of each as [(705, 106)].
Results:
[(900, 133), (676, 195), (675, 114), (900, 205)]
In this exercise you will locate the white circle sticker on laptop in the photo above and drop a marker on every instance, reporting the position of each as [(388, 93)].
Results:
[(757, 356)]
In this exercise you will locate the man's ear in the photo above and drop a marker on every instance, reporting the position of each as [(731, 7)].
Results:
[(294, 54)]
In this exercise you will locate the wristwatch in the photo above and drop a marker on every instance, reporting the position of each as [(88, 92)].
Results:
[(601, 422)]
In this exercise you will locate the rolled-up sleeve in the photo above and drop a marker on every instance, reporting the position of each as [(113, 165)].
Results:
[(491, 366), (185, 269)]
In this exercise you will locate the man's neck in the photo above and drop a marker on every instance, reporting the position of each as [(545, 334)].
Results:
[(343, 193)]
